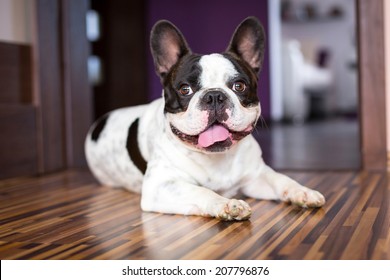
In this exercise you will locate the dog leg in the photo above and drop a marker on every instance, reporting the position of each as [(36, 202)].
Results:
[(270, 184), (178, 197)]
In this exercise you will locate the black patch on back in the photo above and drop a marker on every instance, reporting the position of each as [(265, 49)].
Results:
[(133, 148), (100, 124), (186, 71)]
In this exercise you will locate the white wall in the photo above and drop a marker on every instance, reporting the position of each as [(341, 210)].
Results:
[(339, 37), (15, 20), (275, 43)]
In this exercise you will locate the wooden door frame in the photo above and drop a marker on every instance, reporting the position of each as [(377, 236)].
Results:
[(62, 93), (61, 144), (47, 93), (372, 84), (77, 89)]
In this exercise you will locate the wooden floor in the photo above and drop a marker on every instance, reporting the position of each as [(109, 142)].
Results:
[(69, 216)]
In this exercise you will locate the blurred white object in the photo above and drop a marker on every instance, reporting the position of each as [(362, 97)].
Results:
[(95, 74), (316, 78), (93, 26), (298, 76)]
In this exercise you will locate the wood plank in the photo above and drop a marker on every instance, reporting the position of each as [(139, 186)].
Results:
[(358, 244), (15, 73), (18, 143)]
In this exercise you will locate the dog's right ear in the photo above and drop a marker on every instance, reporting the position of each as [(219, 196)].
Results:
[(248, 42), (168, 46)]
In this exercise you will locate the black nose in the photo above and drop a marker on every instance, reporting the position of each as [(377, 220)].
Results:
[(214, 98)]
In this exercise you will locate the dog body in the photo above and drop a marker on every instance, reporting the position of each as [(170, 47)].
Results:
[(195, 140)]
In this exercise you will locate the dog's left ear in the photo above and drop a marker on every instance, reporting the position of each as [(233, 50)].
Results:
[(248, 42)]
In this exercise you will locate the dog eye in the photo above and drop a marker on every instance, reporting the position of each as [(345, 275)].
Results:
[(185, 90), (239, 87)]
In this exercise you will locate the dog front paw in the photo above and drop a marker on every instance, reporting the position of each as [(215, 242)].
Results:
[(304, 197), (235, 210)]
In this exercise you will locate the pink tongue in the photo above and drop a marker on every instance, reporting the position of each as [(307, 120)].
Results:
[(215, 133)]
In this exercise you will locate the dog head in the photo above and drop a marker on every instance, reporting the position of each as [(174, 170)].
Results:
[(211, 101)]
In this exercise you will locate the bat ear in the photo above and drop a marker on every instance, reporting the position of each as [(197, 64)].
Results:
[(248, 42), (167, 45)]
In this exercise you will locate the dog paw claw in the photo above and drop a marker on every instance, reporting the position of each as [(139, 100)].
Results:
[(306, 198), (235, 210)]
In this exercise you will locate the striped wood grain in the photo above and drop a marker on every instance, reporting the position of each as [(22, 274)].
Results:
[(69, 216)]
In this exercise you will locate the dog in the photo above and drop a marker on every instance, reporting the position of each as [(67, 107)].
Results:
[(195, 142)]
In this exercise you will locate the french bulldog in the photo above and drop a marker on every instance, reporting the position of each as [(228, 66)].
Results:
[(194, 143)]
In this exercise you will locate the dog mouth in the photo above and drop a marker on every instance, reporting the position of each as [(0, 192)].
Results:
[(215, 138)]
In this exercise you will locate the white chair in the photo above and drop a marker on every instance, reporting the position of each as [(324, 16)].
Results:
[(299, 77)]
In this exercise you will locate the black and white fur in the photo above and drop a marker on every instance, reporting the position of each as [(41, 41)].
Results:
[(212, 95)]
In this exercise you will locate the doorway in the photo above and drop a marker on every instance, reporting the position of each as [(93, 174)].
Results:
[(314, 122), (119, 50)]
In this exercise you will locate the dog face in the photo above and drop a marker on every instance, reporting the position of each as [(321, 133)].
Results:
[(211, 100)]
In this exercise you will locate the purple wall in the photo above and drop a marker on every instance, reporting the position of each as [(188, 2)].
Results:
[(208, 27)]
